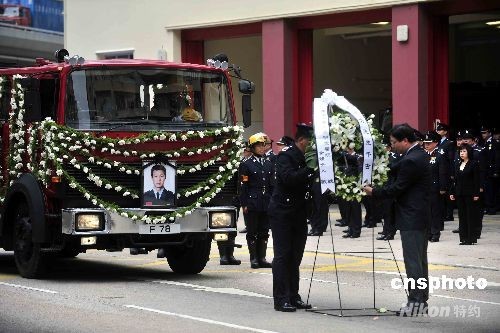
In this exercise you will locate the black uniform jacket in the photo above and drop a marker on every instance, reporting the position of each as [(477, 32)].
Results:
[(292, 181), (439, 170), (256, 175), (467, 181), (410, 189), (492, 152), (166, 198)]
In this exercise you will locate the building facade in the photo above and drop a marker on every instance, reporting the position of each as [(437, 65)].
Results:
[(405, 61)]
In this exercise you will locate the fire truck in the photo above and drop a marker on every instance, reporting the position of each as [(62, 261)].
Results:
[(117, 154)]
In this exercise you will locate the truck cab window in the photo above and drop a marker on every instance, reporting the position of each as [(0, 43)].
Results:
[(49, 94)]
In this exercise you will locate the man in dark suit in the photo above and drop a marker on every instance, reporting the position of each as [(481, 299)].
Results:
[(159, 195), (411, 190)]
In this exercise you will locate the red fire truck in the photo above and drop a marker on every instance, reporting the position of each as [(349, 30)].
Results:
[(117, 154)]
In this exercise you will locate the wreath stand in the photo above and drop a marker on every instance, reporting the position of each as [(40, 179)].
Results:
[(352, 312)]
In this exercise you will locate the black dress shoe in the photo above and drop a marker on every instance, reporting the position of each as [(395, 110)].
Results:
[(456, 231), (347, 235), (346, 231), (434, 239), (381, 237), (243, 231), (381, 233), (285, 307), (351, 236), (340, 224), (315, 233), (302, 305), (465, 243)]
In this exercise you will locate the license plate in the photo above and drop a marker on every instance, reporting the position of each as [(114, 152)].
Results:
[(159, 229)]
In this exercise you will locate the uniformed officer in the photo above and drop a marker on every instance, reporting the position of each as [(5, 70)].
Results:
[(285, 141), (288, 214), (269, 153), (247, 153), (440, 175), (226, 249), (389, 227), (352, 164), (257, 175), (492, 164), (449, 149)]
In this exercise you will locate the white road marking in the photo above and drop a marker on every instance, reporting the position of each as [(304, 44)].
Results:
[(493, 284), (204, 320), (303, 278), (28, 288), (465, 299), (230, 291)]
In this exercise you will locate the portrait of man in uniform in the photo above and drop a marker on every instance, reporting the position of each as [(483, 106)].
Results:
[(160, 180)]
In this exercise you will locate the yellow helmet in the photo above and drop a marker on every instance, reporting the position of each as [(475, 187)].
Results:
[(258, 137)]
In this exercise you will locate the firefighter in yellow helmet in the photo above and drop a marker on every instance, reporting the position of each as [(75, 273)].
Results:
[(256, 175)]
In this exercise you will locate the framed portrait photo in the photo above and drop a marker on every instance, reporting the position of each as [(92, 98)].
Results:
[(158, 184)]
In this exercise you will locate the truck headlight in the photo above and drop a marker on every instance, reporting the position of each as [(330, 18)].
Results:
[(89, 222), (221, 219)]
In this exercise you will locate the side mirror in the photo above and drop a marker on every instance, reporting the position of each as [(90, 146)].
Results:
[(32, 103), (246, 106), (246, 87)]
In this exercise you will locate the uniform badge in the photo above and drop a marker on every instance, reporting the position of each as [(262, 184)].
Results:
[(441, 151), (433, 160), (285, 148)]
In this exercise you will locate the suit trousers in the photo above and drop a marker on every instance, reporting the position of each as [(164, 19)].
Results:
[(414, 244), (289, 241)]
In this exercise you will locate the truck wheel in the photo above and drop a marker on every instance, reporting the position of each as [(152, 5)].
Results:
[(189, 260), (29, 259)]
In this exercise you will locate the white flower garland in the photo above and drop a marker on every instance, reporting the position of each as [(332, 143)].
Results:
[(59, 145), (344, 134)]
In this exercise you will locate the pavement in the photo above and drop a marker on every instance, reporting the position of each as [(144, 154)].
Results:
[(448, 252)]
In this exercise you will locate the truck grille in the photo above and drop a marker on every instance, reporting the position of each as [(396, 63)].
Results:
[(73, 198)]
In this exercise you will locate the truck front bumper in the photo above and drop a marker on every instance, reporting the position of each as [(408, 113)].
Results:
[(200, 221)]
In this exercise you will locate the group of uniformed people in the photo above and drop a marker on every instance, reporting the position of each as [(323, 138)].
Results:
[(276, 188), (452, 184)]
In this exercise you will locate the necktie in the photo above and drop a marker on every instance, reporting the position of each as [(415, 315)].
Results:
[(158, 195)]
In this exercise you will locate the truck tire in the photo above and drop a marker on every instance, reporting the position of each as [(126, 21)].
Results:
[(189, 260), (30, 261)]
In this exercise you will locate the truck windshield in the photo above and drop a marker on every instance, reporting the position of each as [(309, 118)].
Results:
[(139, 99)]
